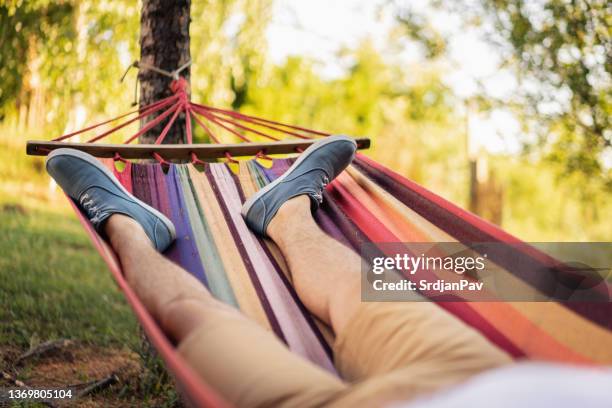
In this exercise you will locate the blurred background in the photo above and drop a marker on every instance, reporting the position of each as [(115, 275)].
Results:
[(501, 106)]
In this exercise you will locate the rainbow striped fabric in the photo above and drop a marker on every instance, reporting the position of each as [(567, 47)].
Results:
[(367, 203)]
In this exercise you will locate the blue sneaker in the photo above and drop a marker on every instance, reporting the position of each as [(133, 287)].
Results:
[(99, 194), (311, 172)]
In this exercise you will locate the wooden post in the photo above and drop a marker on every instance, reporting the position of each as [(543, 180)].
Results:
[(164, 43), (486, 193), (474, 204)]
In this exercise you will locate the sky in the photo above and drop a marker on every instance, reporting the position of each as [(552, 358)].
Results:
[(320, 28)]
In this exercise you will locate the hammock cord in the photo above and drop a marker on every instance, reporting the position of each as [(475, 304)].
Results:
[(211, 120)]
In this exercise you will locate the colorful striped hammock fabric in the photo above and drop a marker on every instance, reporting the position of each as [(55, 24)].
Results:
[(367, 203)]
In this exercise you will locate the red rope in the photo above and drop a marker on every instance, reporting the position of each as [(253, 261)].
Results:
[(206, 129), (255, 122), (262, 155), (179, 102), (216, 122), (153, 123), (229, 158), (259, 119), (146, 110), (160, 159), (244, 127), (117, 157), (195, 159), (188, 125), (164, 132), (113, 130)]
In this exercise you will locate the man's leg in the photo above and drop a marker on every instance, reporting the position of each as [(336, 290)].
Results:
[(418, 343), (395, 350), (326, 274), (247, 364), (167, 291)]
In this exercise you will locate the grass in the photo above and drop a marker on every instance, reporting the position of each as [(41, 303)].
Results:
[(54, 285)]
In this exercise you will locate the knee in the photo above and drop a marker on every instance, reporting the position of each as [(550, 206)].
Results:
[(185, 313)]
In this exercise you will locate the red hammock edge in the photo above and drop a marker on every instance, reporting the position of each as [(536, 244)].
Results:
[(197, 392)]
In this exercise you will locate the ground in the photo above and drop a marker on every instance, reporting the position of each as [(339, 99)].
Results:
[(53, 286)]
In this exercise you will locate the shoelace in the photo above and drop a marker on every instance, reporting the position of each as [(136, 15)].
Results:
[(319, 195), (90, 207)]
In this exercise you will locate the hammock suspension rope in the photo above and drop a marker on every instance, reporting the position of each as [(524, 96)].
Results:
[(259, 137)]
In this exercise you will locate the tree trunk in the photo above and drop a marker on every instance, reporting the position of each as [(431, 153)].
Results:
[(164, 43)]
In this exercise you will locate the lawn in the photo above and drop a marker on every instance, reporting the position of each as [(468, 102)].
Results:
[(54, 286)]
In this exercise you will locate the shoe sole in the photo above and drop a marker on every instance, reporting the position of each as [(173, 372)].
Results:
[(330, 139), (89, 159)]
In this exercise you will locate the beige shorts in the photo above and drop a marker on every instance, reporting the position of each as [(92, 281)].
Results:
[(388, 352)]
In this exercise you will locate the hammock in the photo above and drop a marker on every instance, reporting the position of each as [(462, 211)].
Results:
[(367, 204)]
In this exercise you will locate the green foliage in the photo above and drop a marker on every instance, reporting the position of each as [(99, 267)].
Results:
[(50, 60), (228, 48), (564, 47), (418, 29), (372, 97), (560, 52), (537, 206), (25, 26)]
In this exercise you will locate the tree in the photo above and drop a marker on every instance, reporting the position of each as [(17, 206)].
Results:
[(21, 28), (164, 43), (565, 47), (560, 52), (47, 52), (231, 47)]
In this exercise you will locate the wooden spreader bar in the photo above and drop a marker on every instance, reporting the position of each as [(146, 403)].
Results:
[(179, 151)]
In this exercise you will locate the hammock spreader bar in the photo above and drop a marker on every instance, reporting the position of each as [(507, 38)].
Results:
[(180, 151), (215, 122)]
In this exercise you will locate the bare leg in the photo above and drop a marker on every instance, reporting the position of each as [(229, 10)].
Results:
[(326, 274), (211, 336), (247, 364), (175, 298), (411, 346)]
